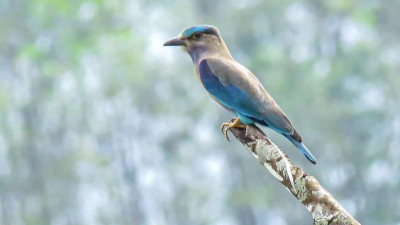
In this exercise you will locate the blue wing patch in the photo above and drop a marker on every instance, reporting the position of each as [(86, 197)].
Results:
[(229, 95)]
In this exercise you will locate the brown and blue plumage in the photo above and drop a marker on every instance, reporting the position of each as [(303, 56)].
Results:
[(233, 85)]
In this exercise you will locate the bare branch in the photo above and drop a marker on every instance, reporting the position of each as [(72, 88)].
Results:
[(321, 204)]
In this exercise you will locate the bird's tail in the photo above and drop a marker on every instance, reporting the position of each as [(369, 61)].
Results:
[(298, 142)]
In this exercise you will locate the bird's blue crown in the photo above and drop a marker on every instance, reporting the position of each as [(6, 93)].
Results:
[(188, 32)]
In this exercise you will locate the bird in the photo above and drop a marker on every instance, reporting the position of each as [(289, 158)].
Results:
[(234, 86)]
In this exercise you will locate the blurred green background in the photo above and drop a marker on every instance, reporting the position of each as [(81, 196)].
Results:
[(100, 124)]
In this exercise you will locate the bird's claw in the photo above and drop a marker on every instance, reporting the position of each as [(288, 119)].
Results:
[(225, 127)]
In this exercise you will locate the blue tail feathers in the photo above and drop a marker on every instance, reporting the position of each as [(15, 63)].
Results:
[(302, 148)]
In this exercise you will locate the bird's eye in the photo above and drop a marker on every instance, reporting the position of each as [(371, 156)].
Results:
[(198, 35)]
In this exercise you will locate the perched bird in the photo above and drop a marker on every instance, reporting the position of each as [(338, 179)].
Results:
[(233, 86)]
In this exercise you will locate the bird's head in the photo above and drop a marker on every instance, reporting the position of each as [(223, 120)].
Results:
[(200, 42)]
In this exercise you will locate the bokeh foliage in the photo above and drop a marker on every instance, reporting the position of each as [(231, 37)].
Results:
[(102, 125)]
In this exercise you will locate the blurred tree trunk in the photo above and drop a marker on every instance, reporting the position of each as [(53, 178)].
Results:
[(321, 204)]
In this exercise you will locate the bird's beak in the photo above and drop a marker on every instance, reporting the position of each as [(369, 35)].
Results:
[(175, 42)]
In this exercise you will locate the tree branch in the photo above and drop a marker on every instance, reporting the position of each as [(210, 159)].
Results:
[(322, 205)]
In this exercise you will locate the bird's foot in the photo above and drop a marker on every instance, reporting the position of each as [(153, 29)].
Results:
[(225, 127)]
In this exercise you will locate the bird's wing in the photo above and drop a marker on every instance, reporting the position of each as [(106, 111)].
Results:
[(238, 89)]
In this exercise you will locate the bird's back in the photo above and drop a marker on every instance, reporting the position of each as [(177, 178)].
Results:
[(247, 95)]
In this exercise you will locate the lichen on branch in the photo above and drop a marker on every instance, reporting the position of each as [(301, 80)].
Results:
[(320, 203)]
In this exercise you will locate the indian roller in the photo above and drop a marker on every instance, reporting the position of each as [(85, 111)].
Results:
[(233, 86)]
